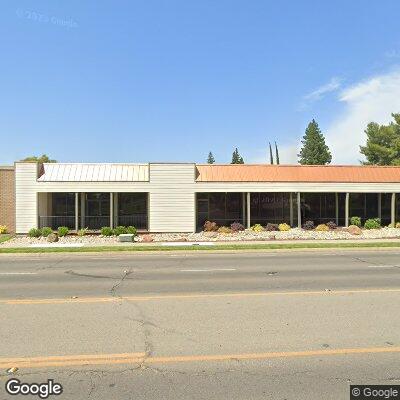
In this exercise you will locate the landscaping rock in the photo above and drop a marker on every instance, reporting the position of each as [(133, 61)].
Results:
[(354, 230), (210, 234), (147, 238), (52, 238), (126, 237)]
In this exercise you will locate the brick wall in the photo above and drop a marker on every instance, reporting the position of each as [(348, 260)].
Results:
[(7, 197)]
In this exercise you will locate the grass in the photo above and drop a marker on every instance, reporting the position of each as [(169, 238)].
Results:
[(5, 237), (138, 248)]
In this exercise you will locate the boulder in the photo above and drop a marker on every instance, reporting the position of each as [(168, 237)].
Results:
[(354, 230), (52, 238), (147, 238)]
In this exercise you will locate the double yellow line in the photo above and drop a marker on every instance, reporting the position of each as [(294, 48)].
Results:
[(139, 358), (192, 296)]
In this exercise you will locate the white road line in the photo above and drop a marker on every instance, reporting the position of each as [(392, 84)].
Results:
[(381, 266), (18, 273), (208, 270)]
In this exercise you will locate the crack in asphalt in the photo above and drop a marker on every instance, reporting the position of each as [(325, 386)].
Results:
[(119, 283)]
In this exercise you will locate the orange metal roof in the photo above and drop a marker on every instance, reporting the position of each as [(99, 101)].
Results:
[(297, 173)]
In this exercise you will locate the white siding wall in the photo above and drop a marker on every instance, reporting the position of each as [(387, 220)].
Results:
[(172, 198), (25, 197)]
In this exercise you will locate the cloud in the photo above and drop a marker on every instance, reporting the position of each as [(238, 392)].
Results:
[(317, 94), (371, 100)]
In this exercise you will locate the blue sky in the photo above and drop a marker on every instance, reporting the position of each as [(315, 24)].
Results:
[(130, 81)]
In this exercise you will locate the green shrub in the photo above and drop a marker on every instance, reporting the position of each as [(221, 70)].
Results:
[(62, 231), (224, 229), (3, 229), (34, 233), (372, 223), (131, 229), (106, 231), (322, 228), (257, 228), (46, 231), (82, 232), (120, 230), (284, 227), (355, 221)]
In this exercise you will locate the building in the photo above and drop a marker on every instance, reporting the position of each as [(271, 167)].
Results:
[(180, 197)]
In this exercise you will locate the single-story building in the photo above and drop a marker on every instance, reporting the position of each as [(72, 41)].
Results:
[(180, 197)]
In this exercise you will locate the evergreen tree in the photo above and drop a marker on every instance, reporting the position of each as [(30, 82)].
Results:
[(314, 150), (210, 158), (276, 154), (271, 157), (237, 158), (383, 143)]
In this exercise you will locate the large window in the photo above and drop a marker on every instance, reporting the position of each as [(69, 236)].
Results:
[(269, 207), (222, 208), (63, 204), (318, 207), (132, 210), (365, 205)]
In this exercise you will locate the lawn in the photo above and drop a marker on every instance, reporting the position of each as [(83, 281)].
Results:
[(138, 248)]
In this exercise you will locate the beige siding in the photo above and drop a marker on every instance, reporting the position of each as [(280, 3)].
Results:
[(25, 196), (172, 198)]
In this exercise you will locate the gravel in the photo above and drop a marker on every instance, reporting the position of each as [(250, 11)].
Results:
[(247, 235)]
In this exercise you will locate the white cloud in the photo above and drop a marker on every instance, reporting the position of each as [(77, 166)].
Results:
[(371, 100), (319, 93)]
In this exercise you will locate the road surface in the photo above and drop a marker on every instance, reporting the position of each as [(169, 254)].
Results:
[(272, 325)]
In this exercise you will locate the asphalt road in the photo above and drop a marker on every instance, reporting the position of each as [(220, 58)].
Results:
[(294, 325)]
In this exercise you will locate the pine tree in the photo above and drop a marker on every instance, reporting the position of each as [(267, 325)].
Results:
[(276, 154), (314, 150), (383, 143), (237, 158), (271, 157), (210, 158)]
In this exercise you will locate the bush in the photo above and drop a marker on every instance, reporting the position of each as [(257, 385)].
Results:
[(82, 232), (46, 231), (331, 225), (106, 231), (372, 223), (322, 228), (210, 226), (3, 229), (284, 227), (397, 225), (257, 228), (308, 225), (237, 226), (120, 230), (272, 227), (62, 231), (34, 233), (132, 230), (355, 221), (224, 229)]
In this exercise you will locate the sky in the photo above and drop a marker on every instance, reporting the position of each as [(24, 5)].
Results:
[(148, 81)]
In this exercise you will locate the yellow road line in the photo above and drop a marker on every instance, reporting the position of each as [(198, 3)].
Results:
[(138, 358), (191, 296)]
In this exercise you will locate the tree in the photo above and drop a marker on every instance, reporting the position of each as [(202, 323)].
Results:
[(276, 154), (210, 158), (271, 157), (314, 150), (383, 143), (42, 159), (237, 158)]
